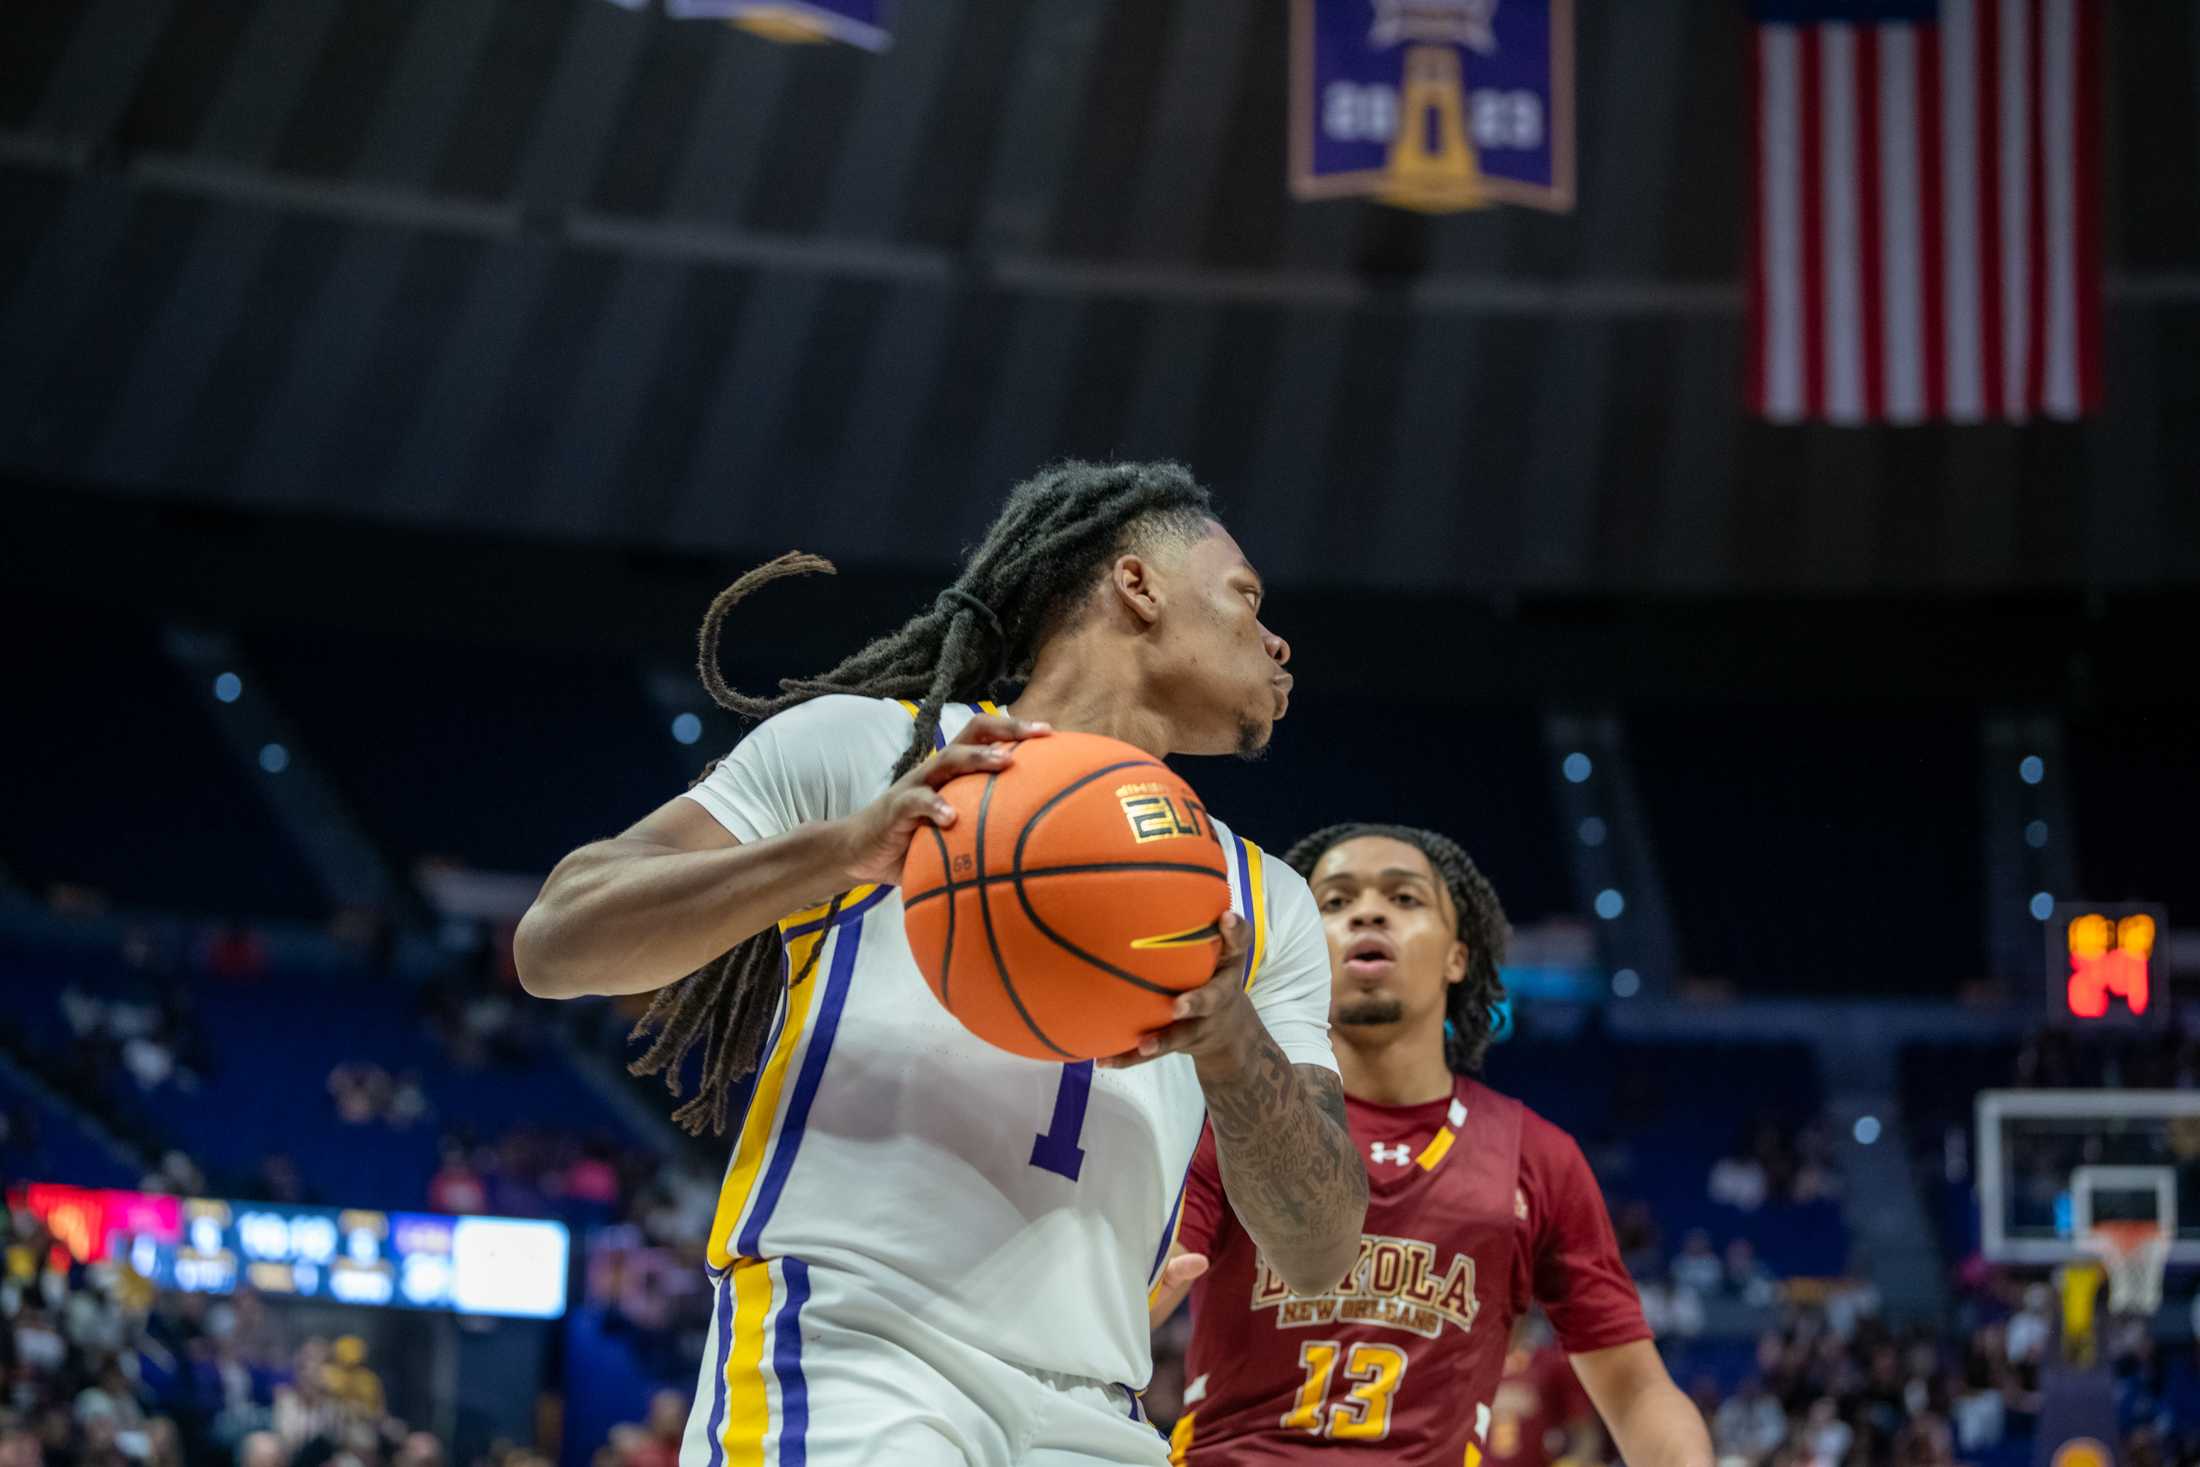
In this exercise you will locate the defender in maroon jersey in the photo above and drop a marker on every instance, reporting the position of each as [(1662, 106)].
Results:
[(1478, 1207)]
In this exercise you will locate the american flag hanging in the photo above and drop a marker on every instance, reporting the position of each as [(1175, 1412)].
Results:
[(1925, 222)]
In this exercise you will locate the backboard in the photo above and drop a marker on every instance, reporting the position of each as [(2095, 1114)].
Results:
[(2052, 1162)]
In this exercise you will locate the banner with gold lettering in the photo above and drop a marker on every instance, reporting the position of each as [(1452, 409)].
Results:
[(1437, 105), (857, 22)]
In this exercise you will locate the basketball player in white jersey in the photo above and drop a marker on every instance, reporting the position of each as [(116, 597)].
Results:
[(929, 1252)]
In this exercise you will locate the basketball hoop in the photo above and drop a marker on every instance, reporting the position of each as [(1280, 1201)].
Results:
[(2133, 1254)]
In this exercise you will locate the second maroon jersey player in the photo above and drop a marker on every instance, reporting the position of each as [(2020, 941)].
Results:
[(1541, 1411), (1478, 1208)]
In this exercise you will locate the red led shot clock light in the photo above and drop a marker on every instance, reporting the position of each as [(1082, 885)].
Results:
[(2101, 965), (2108, 960)]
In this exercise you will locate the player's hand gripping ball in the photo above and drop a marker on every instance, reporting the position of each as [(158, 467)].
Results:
[(1072, 899)]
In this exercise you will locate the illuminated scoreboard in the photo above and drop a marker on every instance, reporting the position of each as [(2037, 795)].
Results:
[(2101, 967), (504, 1266)]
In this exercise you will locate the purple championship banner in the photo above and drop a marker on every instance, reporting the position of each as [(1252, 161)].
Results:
[(857, 22), (1436, 105)]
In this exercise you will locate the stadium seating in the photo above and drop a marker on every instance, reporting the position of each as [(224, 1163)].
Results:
[(264, 1049), (1655, 1118)]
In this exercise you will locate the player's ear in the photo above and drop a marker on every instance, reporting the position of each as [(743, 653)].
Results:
[(1132, 581), (1455, 963)]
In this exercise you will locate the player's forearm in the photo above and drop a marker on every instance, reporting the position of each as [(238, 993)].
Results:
[(1287, 1162), (628, 916), (1661, 1427)]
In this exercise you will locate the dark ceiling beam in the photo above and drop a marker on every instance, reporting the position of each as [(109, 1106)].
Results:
[(1587, 296), (266, 80), (719, 169), (1164, 410), (425, 93), (1558, 493), (1300, 416), (885, 414), (1297, 419), (402, 206), (791, 254), (725, 147), (1044, 98), (176, 353), (2125, 545), (864, 208), (1698, 471), (1474, 246), (91, 87), (1184, 141), (724, 492), (572, 129), (610, 396), (320, 380), (570, 137), (261, 88), (899, 91), (1030, 392), (1433, 446), (63, 280), (330, 350), (460, 398), (597, 55), (1629, 78), (1841, 509)]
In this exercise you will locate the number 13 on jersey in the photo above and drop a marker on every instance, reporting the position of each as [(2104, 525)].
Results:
[(1364, 1413)]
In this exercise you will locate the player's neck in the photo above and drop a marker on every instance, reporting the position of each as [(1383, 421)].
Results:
[(1074, 694), (1399, 1070)]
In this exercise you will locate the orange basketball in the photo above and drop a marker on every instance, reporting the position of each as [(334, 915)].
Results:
[(1075, 896)]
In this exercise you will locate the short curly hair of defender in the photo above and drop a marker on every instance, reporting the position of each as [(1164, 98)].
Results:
[(1470, 1008)]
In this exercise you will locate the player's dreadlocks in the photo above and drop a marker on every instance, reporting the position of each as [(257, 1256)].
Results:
[(1059, 530), (1470, 1006)]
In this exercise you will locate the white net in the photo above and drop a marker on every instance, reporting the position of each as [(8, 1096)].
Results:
[(2133, 1254)]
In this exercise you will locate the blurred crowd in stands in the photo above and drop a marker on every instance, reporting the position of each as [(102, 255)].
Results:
[(1773, 1162), (97, 1369), (1838, 1385), (102, 1371)]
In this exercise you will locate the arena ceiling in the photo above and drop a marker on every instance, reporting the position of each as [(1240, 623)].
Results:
[(556, 269)]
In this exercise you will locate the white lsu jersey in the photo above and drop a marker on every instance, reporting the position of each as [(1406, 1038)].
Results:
[(1021, 1207)]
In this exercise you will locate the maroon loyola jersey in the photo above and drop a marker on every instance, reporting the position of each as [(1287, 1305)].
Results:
[(1476, 1207)]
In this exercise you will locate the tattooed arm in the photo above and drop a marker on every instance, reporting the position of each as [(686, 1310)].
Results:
[(1288, 1166), (1287, 1161)]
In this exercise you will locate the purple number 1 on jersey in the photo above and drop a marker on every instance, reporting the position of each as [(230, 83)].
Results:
[(1056, 1150)]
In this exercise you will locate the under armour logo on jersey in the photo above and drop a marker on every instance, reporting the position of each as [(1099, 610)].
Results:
[(1397, 1155)]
